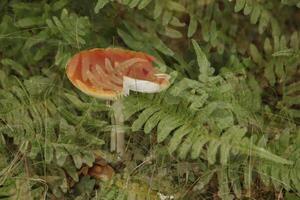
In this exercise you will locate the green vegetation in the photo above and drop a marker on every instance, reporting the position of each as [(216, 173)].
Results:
[(227, 128)]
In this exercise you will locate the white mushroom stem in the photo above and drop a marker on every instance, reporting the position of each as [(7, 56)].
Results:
[(117, 134), (117, 142)]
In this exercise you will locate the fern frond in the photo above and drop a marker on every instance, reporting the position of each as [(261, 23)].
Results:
[(71, 28)]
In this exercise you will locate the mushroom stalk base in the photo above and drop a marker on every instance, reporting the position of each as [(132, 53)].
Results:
[(117, 142)]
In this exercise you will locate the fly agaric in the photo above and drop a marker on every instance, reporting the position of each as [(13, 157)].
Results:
[(112, 72)]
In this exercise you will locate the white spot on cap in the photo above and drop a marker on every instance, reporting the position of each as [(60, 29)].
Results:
[(139, 86)]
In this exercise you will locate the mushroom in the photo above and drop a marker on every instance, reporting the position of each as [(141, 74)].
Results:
[(111, 73), (100, 170)]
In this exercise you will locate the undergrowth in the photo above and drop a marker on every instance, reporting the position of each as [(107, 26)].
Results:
[(227, 128)]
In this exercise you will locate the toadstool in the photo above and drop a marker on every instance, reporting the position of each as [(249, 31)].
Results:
[(112, 72)]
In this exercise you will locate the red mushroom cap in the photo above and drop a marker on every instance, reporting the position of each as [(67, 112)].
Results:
[(100, 72)]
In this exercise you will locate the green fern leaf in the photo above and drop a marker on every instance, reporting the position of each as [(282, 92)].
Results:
[(198, 146), (203, 63), (212, 150), (143, 4), (186, 145), (100, 4), (255, 14), (224, 153), (165, 127), (177, 137), (239, 5), (153, 121), (61, 155), (192, 26), (137, 124)]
